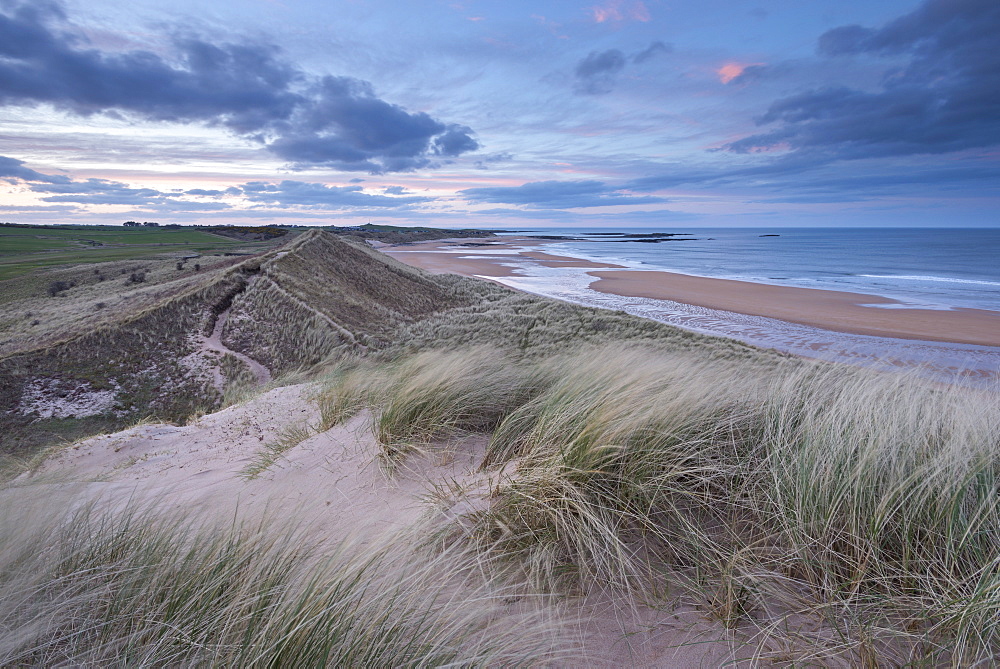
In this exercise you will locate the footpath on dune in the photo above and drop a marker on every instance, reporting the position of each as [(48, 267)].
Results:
[(213, 342), (243, 325)]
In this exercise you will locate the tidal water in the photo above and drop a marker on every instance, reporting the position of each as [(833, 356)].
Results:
[(920, 268), (929, 268)]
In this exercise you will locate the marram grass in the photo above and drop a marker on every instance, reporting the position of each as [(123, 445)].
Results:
[(776, 488), (135, 588)]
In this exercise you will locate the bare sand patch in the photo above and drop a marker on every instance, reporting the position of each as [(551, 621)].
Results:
[(60, 398)]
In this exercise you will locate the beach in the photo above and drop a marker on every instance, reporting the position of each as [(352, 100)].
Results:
[(820, 323), (488, 259), (825, 309), (836, 311)]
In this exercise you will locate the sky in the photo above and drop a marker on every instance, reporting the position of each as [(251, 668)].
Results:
[(501, 114)]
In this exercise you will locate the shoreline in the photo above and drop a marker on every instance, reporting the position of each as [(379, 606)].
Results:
[(824, 309), (832, 311)]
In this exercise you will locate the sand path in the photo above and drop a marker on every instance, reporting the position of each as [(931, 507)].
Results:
[(214, 343)]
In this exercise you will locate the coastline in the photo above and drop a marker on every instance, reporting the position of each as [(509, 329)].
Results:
[(496, 259), (828, 310), (824, 309)]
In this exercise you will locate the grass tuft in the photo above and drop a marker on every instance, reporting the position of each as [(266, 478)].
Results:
[(774, 487), (135, 588), (290, 437)]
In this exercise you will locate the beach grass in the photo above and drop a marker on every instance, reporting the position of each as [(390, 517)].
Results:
[(138, 588), (868, 502)]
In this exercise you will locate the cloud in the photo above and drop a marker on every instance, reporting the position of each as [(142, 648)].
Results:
[(319, 196), (12, 169), (98, 191), (247, 88), (483, 162), (620, 10), (174, 206), (942, 99), (595, 74), (800, 175), (286, 194), (347, 126), (48, 208), (733, 70), (558, 195), (651, 51)]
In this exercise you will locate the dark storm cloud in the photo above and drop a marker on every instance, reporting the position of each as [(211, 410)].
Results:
[(347, 125), (316, 195), (243, 87), (943, 98), (675, 175), (558, 195), (595, 74), (247, 88), (12, 169), (454, 141)]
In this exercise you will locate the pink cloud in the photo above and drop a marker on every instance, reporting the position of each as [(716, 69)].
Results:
[(621, 10), (730, 71)]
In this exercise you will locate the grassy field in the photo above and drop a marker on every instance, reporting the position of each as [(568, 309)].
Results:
[(24, 249)]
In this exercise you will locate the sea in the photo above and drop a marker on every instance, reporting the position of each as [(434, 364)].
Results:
[(924, 268)]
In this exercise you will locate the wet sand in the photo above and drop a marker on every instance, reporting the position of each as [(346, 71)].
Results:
[(445, 257), (825, 309)]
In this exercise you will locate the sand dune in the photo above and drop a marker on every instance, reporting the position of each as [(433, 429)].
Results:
[(333, 485)]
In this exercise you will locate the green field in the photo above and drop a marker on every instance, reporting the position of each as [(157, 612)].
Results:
[(24, 249)]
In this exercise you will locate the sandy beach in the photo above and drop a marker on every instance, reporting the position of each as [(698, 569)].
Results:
[(444, 257), (824, 309)]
